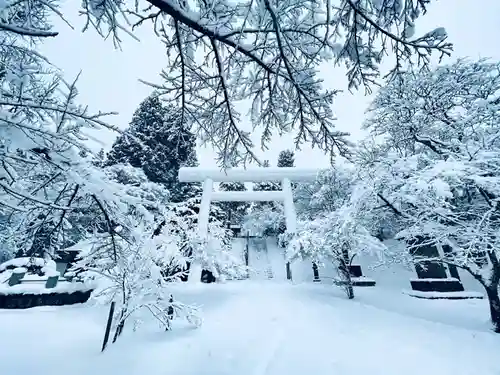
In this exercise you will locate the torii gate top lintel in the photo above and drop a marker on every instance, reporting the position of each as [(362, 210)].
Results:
[(251, 174)]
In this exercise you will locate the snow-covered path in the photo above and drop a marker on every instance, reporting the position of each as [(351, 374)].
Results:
[(262, 328), (279, 329)]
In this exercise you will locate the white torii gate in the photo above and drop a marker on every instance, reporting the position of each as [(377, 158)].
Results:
[(285, 174)]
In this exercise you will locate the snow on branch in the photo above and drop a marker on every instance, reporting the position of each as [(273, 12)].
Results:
[(268, 51)]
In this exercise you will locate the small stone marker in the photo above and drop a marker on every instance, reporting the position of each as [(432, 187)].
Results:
[(17, 275), (52, 279)]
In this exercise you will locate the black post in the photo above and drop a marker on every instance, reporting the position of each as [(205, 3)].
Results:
[(316, 273), (108, 325), (288, 271), (170, 312), (246, 249)]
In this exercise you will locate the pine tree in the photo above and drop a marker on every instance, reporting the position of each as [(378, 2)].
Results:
[(234, 210), (160, 144), (286, 158), (266, 185), (99, 158)]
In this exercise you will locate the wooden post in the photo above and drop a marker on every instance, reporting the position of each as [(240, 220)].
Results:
[(316, 278), (108, 325), (247, 245)]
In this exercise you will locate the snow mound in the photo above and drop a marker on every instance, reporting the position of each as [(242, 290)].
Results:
[(39, 288), (26, 262)]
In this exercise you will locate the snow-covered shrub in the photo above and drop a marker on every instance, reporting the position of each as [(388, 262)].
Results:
[(132, 270), (215, 253), (337, 237)]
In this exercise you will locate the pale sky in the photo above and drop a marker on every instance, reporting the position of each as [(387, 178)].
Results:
[(109, 80)]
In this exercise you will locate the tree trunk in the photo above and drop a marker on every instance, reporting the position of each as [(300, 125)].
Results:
[(494, 301), (120, 325), (345, 270)]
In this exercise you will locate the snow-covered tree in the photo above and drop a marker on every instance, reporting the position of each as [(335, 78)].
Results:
[(47, 177), (438, 166), (327, 193), (215, 254), (337, 236), (159, 143), (135, 270), (42, 133), (280, 44)]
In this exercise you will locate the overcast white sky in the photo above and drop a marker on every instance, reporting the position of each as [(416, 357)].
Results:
[(109, 80)]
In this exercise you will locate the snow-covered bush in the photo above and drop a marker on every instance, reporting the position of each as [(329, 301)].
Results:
[(337, 237), (215, 255), (265, 220), (131, 266)]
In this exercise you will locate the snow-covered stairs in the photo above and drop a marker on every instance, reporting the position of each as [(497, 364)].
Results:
[(269, 272)]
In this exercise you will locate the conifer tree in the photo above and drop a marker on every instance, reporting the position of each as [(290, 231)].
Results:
[(286, 158), (234, 210), (266, 185), (158, 143)]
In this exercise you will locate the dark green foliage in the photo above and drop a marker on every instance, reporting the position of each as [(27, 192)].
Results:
[(234, 210), (266, 185), (159, 144), (99, 158), (286, 158)]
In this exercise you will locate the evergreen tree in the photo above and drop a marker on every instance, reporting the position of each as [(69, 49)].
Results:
[(234, 210), (286, 158), (266, 185), (99, 159), (159, 143)]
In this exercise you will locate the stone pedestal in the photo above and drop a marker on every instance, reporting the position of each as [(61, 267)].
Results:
[(435, 278), (357, 276), (437, 285), (25, 301), (207, 277)]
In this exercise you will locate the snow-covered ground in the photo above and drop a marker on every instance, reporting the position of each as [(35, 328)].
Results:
[(262, 328)]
